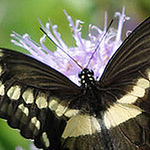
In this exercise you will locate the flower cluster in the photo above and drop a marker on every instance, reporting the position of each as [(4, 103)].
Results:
[(107, 44)]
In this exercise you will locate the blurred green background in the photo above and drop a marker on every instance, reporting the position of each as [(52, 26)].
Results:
[(21, 16)]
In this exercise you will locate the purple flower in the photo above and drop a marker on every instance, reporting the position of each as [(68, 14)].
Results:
[(81, 52)]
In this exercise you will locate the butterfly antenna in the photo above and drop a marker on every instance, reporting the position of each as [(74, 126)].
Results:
[(61, 48), (99, 43)]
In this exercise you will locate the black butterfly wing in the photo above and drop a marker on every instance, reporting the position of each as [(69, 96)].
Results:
[(125, 84), (34, 98), (132, 54)]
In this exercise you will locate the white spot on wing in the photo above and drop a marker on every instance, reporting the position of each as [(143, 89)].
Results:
[(24, 109), (60, 110), (53, 103), (128, 99), (81, 125), (36, 122), (45, 139), (41, 100), (28, 96), (71, 112), (14, 92), (143, 83), (137, 91), (2, 89), (119, 113), (1, 53)]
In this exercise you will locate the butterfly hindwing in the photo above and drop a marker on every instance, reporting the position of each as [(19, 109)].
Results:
[(34, 98)]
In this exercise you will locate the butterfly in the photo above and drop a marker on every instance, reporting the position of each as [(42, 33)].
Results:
[(112, 113)]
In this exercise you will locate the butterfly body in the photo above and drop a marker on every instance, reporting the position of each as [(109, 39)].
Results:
[(112, 113)]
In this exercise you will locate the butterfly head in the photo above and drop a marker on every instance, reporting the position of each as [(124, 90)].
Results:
[(86, 77)]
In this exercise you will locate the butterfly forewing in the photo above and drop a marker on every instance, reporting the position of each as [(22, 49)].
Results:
[(133, 54), (34, 98)]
